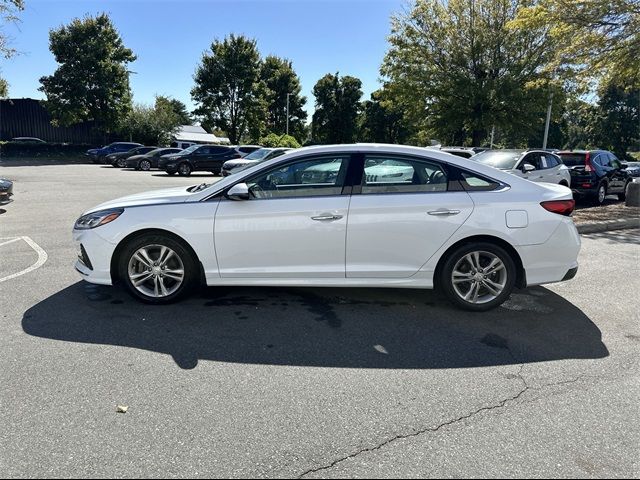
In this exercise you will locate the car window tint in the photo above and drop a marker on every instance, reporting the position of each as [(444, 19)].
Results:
[(603, 160), (218, 150), (385, 174), (310, 177), (532, 159), (472, 182)]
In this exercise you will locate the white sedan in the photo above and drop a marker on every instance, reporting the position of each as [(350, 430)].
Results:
[(317, 217), (534, 165)]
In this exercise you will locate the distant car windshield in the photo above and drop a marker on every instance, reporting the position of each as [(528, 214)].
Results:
[(497, 159), (258, 154)]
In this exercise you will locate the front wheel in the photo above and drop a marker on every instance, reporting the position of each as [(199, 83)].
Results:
[(145, 165), (478, 276), (121, 162), (184, 169), (157, 269)]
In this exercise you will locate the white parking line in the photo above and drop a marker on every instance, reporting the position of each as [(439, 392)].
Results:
[(42, 257)]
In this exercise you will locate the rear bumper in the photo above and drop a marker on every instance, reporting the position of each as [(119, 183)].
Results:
[(556, 260)]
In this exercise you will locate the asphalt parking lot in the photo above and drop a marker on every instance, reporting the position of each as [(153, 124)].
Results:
[(294, 382)]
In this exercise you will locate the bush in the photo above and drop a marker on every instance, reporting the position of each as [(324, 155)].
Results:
[(31, 150), (273, 140)]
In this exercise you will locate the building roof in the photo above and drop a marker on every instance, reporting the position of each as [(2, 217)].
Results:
[(195, 133)]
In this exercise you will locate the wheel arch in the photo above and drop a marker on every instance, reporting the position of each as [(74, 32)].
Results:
[(115, 277), (521, 276)]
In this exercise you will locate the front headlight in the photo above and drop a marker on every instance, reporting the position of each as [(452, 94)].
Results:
[(96, 219)]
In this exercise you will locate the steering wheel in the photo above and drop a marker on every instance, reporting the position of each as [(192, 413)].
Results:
[(436, 177)]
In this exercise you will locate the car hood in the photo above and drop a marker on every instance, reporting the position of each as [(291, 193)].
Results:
[(235, 163), (154, 197), (4, 183), (133, 158)]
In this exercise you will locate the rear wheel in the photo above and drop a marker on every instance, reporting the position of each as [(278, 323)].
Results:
[(184, 169), (601, 194), (157, 269), (145, 165), (121, 162), (478, 276)]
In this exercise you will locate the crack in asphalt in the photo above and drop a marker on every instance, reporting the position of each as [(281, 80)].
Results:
[(417, 433)]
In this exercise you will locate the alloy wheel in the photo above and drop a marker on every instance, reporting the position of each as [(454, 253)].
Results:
[(479, 277), (156, 271), (145, 165)]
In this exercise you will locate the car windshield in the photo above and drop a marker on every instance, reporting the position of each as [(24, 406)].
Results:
[(497, 159), (258, 154), (192, 148)]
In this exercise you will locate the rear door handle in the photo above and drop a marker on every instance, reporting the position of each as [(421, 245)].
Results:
[(325, 217), (443, 212)]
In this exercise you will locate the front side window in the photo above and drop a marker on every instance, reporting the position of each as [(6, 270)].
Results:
[(311, 177), (385, 174)]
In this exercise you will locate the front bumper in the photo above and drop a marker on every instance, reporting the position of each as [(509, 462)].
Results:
[(94, 256)]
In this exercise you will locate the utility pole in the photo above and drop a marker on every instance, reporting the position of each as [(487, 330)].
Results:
[(493, 131), (288, 113), (546, 127)]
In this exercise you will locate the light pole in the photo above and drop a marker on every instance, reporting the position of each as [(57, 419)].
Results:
[(288, 113), (546, 126)]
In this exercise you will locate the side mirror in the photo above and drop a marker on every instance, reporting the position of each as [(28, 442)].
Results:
[(240, 191), (527, 167)]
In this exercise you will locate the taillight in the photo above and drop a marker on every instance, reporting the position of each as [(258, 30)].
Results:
[(587, 163), (561, 207)]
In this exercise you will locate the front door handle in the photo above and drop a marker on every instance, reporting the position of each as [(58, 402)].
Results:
[(443, 212), (325, 217)]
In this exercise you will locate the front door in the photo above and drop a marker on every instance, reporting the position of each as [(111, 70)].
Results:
[(293, 225)]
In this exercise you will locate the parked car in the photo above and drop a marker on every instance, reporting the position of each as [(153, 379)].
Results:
[(534, 165), (596, 174), (150, 159), (27, 140), (633, 168), (260, 155), (6, 191), (459, 151), (245, 150), (198, 158), (474, 231), (98, 154), (120, 159)]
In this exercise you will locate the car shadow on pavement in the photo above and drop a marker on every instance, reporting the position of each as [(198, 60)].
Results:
[(618, 236), (340, 328)]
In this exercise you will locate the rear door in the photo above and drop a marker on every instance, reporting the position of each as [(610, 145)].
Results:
[(400, 215)]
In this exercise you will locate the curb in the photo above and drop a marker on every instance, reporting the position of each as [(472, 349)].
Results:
[(608, 225)]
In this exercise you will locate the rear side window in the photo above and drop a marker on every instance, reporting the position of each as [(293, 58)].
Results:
[(247, 149), (218, 150), (388, 174), (573, 159), (472, 182)]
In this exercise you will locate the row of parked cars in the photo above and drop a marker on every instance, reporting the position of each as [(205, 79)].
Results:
[(218, 159), (591, 174)]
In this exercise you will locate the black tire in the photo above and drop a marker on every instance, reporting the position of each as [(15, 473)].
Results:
[(184, 169), (171, 173), (445, 280), (623, 196), (599, 198), (121, 162), (190, 266), (144, 165)]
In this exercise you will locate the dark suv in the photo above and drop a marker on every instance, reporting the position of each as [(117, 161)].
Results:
[(596, 174), (98, 154), (198, 158)]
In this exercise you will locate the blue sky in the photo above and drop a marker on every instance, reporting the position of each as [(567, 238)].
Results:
[(169, 37)]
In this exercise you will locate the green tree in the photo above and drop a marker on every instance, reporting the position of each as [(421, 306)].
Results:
[(615, 123), (280, 79), (383, 120), (91, 82), (274, 140), (151, 125), (228, 90), (459, 70), (8, 14), (337, 109), (177, 107), (594, 38)]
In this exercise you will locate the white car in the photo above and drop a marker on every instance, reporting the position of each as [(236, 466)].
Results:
[(473, 230), (534, 165)]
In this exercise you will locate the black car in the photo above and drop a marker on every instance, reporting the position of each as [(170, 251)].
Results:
[(6, 191), (120, 159), (150, 159), (198, 158), (596, 174), (98, 154)]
